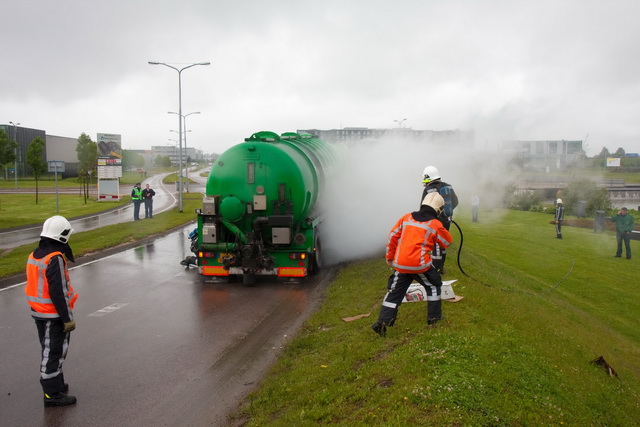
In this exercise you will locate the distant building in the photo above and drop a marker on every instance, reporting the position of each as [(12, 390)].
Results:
[(61, 148), (545, 156), (174, 153), (456, 138), (23, 136)]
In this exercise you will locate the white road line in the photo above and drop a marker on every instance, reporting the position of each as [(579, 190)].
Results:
[(109, 309)]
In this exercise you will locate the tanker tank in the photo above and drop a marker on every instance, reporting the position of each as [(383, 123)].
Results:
[(260, 212)]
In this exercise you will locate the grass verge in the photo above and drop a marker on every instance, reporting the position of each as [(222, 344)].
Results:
[(515, 351), (18, 210)]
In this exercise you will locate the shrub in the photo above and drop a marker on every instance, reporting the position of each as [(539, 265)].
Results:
[(525, 201), (583, 190)]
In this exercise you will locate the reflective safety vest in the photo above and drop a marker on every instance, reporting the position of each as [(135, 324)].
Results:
[(136, 194), (411, 242), (37, 289)]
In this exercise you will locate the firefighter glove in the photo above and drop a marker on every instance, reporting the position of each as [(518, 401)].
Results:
[(69, 326)]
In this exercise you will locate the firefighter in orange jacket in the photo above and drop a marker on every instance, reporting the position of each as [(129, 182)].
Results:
[(51, 297), (409, 248)]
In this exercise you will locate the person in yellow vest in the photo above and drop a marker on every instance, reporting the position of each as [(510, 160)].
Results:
[(136, 196), (52, 298)]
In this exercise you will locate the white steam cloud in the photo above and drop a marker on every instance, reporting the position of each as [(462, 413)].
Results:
[(381, 180)]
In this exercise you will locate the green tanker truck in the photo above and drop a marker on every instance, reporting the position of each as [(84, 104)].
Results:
[(260, 214)]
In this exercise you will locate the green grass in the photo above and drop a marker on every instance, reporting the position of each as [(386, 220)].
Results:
[(629, 177), (21, 209), (44, 182), (516, 350), (87, 242)]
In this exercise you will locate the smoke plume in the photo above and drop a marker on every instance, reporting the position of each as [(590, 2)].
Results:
[(378, 181)]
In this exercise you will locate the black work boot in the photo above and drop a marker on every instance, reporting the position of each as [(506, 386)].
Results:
[(58, 399), (379, 328), (431, 322), (434, 311)]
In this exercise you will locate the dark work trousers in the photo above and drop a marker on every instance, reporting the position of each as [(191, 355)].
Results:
[(55, 344), (438, 256), (399, 284), (136, 209), (148, 208), (626, 238), (559, 229), (439, 253)]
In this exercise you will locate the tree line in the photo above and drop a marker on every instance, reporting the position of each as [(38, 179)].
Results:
[(87, 151), (605, 153)]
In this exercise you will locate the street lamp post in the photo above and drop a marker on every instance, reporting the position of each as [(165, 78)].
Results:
[(16, 151), (179, 70), (399, 122), (184, 119), (186, 169)]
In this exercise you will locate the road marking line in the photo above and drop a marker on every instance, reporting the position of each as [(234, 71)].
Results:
[(109, 309)]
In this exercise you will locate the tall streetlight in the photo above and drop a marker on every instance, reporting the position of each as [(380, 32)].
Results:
[(399, 122), (15, 161), (185, 148), (179, 70), (184, 119)]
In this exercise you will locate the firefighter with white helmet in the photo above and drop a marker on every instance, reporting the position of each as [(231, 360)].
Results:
[(411, 242), (559, 217), (433, 184), (52, 298)]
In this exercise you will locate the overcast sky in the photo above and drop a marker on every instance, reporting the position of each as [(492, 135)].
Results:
[(506, 69)]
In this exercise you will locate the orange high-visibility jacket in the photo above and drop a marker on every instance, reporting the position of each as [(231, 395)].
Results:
[(411, 242), (37, 288)]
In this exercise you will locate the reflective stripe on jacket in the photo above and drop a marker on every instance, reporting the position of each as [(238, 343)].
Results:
[(411, 242), (37, 288)]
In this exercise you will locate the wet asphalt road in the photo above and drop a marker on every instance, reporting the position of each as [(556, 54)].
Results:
[(154, 345)]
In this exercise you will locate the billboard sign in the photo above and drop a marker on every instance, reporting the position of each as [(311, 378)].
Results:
[(613, 162), (109, 149)]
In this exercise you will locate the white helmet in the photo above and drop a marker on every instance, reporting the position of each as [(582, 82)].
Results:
[(435, 200), (57, 228), (558, 201), (429, 174)]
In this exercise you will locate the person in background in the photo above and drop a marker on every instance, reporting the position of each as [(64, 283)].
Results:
[(411, 241), (475, 204), (147, 196), (433, 183), (52, 298), (624, 227), (136, 196), (559, 218)]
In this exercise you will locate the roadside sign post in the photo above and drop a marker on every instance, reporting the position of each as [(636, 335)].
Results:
[(56, 166)]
